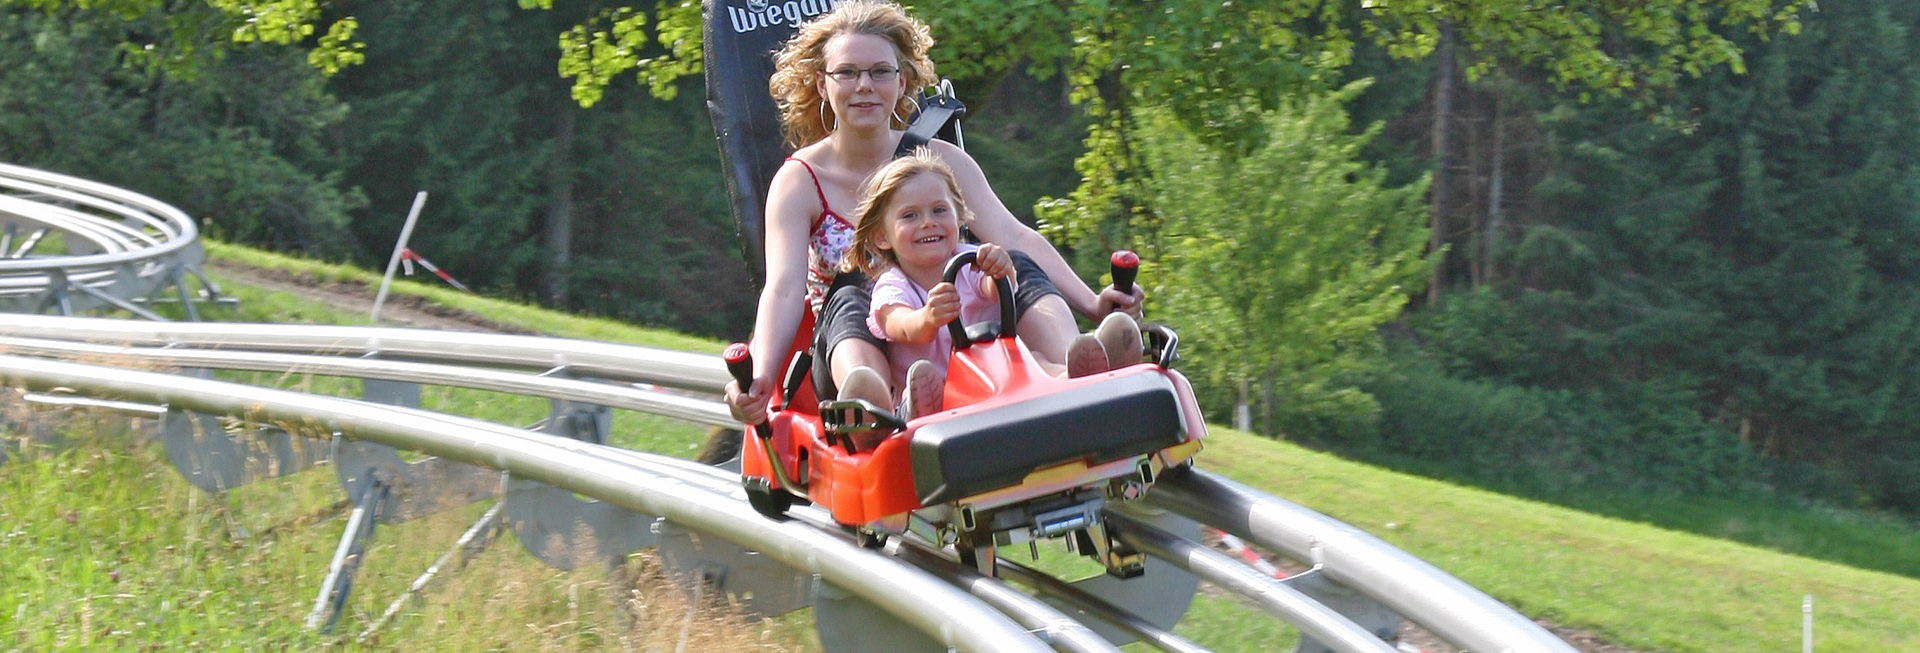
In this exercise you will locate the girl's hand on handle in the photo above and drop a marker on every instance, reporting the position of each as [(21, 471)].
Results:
[(994, 261), (943, 304)]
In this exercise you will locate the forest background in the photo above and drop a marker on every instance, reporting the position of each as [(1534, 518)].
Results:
[(1570, 253)]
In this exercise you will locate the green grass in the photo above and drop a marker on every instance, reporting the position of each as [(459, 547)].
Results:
[(1857, 539), (110, 508), (105, 548), (1634, 584)]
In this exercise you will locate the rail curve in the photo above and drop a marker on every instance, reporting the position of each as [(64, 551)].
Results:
[(120, 248)]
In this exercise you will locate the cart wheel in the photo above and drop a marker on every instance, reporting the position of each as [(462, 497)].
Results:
[(772, 502)]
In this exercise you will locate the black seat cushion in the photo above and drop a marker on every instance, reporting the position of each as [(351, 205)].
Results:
[(980, 451)]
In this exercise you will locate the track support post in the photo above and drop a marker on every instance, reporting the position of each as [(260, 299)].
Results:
[(346, 558)]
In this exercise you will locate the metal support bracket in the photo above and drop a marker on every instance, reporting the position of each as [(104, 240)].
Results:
[(1378, 619), (215, 461), (764, 586), (417, 488), (849, 624), (562, 529), (346, 558), (1160, 595)]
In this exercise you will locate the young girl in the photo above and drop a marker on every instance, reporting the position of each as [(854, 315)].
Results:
[(909, 227)]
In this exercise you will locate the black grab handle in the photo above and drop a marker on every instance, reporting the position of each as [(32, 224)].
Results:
[(1002, 284), (740, 364), (1126, 267)]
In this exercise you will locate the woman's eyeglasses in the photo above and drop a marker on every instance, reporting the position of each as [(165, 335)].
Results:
[(880, 73)]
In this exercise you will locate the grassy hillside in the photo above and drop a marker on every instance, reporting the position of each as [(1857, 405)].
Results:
[(105, 546), (1635, 584)]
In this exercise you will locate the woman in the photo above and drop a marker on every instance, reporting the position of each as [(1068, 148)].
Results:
[(843, 84)]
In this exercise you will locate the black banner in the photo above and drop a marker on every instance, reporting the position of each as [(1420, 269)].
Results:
[(741, 36)]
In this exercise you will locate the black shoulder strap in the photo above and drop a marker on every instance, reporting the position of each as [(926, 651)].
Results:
[(938, 117)]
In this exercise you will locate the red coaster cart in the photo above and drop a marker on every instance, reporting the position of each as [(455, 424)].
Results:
[(1016, 456)]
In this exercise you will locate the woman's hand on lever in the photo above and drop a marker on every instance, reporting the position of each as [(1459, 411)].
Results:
[(749, 407), (1111, 299)]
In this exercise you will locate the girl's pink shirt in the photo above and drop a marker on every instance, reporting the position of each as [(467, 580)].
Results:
[(893, 288)]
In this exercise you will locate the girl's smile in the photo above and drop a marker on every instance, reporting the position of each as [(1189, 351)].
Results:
[(923, 228)]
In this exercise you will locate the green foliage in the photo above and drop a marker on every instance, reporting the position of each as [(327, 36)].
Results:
[(614, 40), (336, 49), (1545, 442), (1217, 66), (238, 146), (1025, 135), (591, 56), (1750, 270), (1594, 45), (1279, 265), (191, 32)]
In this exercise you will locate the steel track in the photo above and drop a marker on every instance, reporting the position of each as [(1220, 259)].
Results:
[(123, 249), (511, 363), (120, 249)]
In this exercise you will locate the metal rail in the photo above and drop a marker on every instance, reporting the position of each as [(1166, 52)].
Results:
[(1415, 589), (581, 358), (1313, 619), (600, 394), (940, 610), (1450, 608), (121, 247)]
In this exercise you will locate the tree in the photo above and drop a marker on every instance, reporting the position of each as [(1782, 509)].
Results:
[(238, 144), (616, 210), (189, 31), (1282, 289), (1215, 64), (1752, 266)]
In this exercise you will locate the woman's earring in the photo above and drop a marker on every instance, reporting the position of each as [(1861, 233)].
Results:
[(896, 111), (823, 118)]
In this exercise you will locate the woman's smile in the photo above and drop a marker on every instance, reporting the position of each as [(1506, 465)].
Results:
[(862, 100)]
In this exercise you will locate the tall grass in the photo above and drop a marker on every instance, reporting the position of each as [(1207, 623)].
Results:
[(105, 548)]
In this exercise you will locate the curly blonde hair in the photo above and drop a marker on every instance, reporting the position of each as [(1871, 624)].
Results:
[(865, 255), (800, 63)]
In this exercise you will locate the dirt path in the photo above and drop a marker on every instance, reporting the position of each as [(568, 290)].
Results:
[(398, 310)]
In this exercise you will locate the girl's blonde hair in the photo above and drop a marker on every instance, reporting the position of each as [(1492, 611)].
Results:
[(877, 192), (799, 64)]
